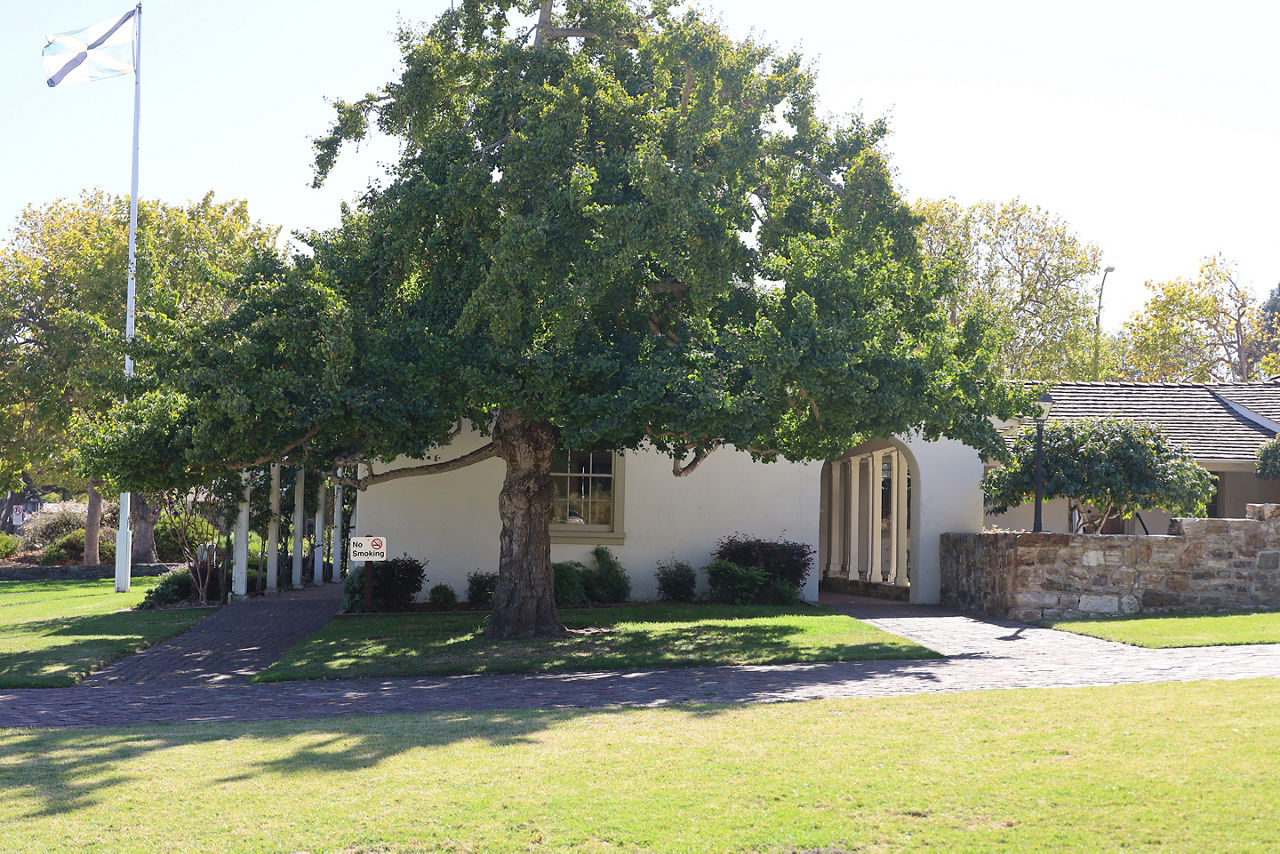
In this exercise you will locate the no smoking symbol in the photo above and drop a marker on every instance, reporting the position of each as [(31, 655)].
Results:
[(376, 544)]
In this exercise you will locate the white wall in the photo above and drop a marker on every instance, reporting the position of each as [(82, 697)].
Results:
[(946, 498), (452, 521)]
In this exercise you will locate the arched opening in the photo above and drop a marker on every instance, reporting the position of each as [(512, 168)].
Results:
[(868, 539)]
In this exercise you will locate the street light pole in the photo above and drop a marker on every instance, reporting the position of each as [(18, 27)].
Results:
[(1097, 324)]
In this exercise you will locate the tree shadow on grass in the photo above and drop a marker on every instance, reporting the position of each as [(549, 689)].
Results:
[(63, 771)]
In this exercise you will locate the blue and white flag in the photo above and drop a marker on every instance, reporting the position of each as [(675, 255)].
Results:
[(102, 50)]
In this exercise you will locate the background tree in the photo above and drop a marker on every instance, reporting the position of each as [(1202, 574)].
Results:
[(1029, 272), (1105, 468), (62, 305), (611, 228), (1196, 331)]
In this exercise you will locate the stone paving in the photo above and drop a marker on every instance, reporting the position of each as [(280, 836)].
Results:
[(203, 674)]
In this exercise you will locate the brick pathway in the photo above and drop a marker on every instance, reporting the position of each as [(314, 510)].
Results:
[(202, 675)]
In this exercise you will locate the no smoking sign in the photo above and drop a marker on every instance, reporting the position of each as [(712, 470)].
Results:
[(368, 548)]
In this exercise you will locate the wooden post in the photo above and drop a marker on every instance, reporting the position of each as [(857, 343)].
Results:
[(337, 533), (273, 533), (318, 563), (240, 566)]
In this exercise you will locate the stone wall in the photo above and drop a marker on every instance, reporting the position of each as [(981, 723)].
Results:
[(1203, 565), (37, 572)]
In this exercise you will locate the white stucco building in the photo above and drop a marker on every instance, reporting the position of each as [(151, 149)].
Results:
[(889, 499)]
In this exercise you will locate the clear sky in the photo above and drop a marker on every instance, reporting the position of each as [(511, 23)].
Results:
[(1152, 127)]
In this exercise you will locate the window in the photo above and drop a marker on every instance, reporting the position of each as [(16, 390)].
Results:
[(587, 502)]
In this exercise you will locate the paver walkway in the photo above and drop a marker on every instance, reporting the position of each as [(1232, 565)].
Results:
[(203, 675)]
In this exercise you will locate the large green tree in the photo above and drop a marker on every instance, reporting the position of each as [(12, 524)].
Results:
[(609, 227), (1026, 270), (63, 273)]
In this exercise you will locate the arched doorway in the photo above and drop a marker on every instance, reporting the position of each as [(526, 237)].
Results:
[(867, 539)]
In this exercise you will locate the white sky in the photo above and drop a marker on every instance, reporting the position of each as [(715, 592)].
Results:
[(1151, 127)]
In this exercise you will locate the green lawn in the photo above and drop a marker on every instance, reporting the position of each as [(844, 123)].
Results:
[(602, 639), (54, 633), (1179, 629), (1173, 767)]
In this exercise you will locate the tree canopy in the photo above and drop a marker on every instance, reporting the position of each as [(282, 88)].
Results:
[(1105, 468), (608, 227)]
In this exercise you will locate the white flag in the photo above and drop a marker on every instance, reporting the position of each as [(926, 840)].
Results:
[(93, 53)]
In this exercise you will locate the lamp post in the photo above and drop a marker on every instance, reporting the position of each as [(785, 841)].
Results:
[(1097, 324), (1046, 403)]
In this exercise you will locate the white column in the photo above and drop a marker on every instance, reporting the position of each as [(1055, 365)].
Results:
[(318, 563), (124, 546), (846, 517), (874, 493), (900, 520), (337, 532), (852, 519), (834, 516), (299, 523), (824, 517), (240, 564), (273, 533)]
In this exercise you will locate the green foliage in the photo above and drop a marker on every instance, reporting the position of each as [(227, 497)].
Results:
[(9, 545), (677, 582), (174, 536), (732, 584), (782, 560), (175, 587), (442, 597), (607, 581), (568, 578), (69, 548), (44, 527), (480, 589), (1268, 466), (395, 584), (1105, 468)]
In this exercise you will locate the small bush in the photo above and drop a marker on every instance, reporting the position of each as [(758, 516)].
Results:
[(69, 548), (169, 537), (8, 545), (780, 559), (442, 597), (607, 581), (677, 582), (480, 589), (45, 527), (779, 592), (175, 587), (395, 584), (732, 584), (569, 591)]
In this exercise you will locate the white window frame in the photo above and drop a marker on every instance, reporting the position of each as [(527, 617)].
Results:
[(563, 532)]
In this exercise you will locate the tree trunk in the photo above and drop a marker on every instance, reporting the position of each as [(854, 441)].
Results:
[(524, 604), (143, 517), (93, 524)]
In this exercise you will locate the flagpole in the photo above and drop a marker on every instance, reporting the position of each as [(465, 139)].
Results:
[(124, 536)]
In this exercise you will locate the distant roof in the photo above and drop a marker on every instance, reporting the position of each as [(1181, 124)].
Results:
[(1199, 415)]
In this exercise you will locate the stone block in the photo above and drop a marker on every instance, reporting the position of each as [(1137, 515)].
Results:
[(1221, 554), (1093, 557), (1035, 599), (1024, 615), (1096, 604), (1269, 559), (1159, 599), (1130, 604)]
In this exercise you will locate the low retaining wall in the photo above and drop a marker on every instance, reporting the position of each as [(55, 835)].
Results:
[(36, 572), (1203, 565)]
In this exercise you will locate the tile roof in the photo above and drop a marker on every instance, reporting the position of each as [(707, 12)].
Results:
[(1198, 415)]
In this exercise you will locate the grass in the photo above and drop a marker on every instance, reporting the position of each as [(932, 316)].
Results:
[(601, 639), (54, 633), (1183, 767), (1174, 630)]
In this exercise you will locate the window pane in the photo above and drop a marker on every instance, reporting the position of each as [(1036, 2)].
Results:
[(579, 487), (577, 511), (601, 489), (560, 461), (579, 462), (561, 487), (601, 513), (560, 512), (602, 463)]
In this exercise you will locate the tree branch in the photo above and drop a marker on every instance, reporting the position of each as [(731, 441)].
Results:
[(838, 189), (362, 483), (276, 456), (681, 470)]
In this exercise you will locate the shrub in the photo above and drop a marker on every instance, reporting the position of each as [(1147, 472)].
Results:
[(780, 559), (46, 526), (175, 586), (677, 582), (69, 548), (607, 581), (8, 545), (169, 535), (442, 597), (395, 583), (735, 585), (480, 589), (779, 592), (569, 591)]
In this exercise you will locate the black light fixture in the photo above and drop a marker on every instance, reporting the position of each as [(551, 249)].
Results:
[(1046, 403)]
